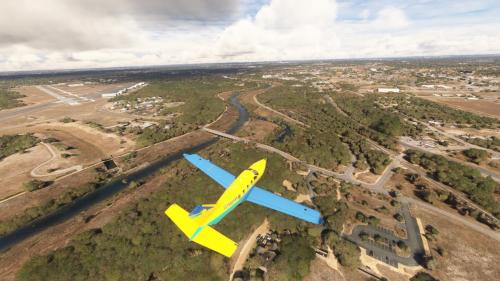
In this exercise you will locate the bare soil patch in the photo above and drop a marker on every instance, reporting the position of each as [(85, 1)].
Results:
[(489, 108), (320, 271), (367, 177), (16, 168), (32, 95), (469, 255), (257, 130)]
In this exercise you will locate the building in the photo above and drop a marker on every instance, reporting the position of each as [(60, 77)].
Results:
[(123, 91), (388, 90)]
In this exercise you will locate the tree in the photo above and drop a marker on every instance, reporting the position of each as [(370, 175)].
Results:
[(423, 276), (373, 220), (476, 155), (431, 230), (346, 252), (428, 196), (412, 178), (360, 216), (364, 236), (399, 217), (402, 245), (430, 262), (33, 185)]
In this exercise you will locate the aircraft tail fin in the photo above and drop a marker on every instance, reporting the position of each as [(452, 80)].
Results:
[(203, 235), (199, 209)]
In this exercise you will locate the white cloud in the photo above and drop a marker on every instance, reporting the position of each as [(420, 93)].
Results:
[(91, 33), (284, 29), (390, 18)]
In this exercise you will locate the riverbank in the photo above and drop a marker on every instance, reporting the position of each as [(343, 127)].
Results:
[(56, 230)]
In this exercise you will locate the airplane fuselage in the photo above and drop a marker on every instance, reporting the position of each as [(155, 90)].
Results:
[(234, 194)]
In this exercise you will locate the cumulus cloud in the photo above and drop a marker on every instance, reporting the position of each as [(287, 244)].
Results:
[(283, 29), (54, 34), (92, 24)]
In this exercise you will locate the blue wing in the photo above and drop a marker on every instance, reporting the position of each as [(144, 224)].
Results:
[(256, 195), (215, 172), (270, 200)]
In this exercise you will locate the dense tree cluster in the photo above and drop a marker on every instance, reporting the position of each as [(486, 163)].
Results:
[(490, 143), (9, 99), (294, 259), (50, 205), (141, 242), (33, 185), (10, 144), (476, 155), (463, 178), (366, 111), (324, 142), (346, 252)]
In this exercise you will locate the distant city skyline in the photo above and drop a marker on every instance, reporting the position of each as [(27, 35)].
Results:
[(58, 34)]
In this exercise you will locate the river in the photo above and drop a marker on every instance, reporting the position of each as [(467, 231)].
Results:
[(81, 204)]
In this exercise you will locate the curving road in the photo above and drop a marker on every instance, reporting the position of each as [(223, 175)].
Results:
[(387, 253), (83, 203)]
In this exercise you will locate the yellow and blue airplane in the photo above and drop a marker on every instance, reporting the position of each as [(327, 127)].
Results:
[(196, 224)]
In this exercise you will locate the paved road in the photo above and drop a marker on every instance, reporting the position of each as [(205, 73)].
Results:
[(387, 253), (423, 173), (453, 137), (24, 111), (69, 101), (379, 187), (454, 217), (483, 171)]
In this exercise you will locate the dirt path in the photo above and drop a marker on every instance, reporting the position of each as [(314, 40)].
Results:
[(286, 117), (35, 174), (249, 244)]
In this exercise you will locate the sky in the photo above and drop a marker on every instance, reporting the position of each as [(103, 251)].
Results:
[(72, 34)]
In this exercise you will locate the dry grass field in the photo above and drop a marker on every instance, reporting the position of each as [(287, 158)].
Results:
[(468, 255), (490, 108)]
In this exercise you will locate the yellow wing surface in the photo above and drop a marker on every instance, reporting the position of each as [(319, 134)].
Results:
[(206, 236)]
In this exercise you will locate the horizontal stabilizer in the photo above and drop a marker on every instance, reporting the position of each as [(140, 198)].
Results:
[(205, 236)]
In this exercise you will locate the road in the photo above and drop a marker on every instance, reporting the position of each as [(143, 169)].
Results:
[(457, 139), (456, 218), (24, 111), (54, 155), (395, 157), (113, 187), (482, 170), (348, 176), (284, 116), (423, 173), (66, 100), (387, 253), (244, 251)]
